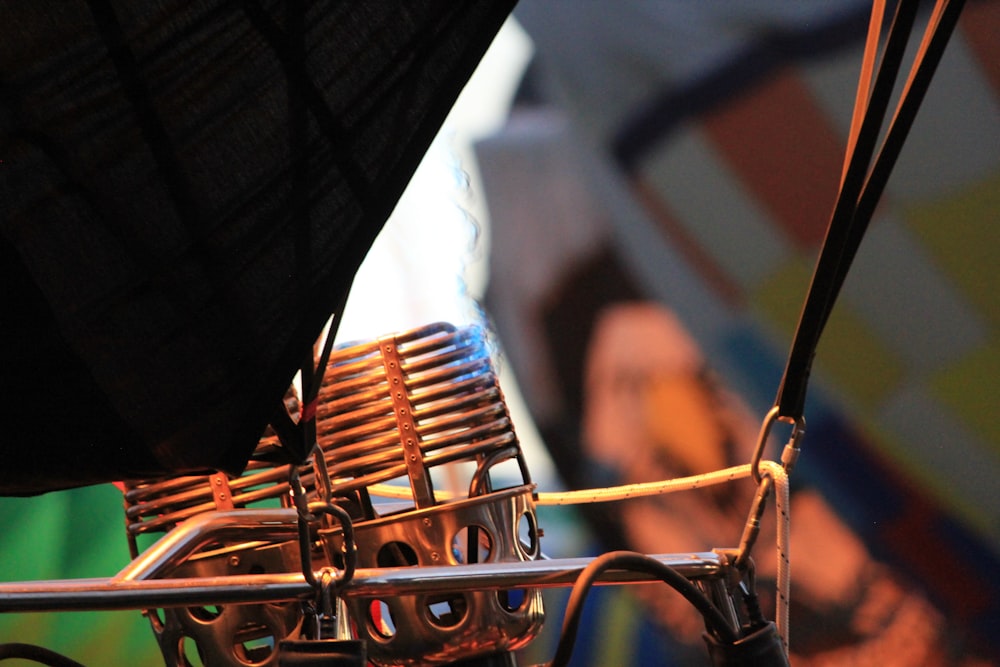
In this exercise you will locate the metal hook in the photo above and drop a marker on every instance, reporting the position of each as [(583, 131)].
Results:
[(304, 518), (349, 547), (790, 454), (309, 513)]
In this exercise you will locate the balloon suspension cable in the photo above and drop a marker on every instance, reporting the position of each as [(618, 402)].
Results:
[(862, 182), (867, 167), (773, 476)]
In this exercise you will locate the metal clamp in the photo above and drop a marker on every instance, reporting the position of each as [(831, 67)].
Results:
[(325, 613)]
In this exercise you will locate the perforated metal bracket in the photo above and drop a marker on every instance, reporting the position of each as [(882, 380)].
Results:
[(420, 481)]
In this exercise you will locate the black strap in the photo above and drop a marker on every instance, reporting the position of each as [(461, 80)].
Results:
[(298, 438), (860, 188)]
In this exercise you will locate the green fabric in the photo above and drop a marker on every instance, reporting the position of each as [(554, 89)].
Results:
[(67, 535)]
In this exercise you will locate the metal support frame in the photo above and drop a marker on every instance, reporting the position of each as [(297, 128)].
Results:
[(146, 582)]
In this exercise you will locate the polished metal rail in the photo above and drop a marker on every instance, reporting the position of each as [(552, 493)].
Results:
[(117, 593), (145, 582)]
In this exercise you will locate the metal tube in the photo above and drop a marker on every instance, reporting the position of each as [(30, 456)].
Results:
[(256, 524), (111, 594), (117, 593), (552, 573)]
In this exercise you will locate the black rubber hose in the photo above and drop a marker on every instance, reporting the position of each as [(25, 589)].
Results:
[(630, 560)]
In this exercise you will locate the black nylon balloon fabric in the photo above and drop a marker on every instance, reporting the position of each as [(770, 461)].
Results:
[(186, 191)]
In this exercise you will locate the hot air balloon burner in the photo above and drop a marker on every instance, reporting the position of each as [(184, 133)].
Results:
[(424, 409), (418, 417)]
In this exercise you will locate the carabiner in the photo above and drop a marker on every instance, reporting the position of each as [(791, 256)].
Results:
[(790, 454)]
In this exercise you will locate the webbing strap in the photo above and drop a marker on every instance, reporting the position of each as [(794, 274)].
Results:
[(861, 187)]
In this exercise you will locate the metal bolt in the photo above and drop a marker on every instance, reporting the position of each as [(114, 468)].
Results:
[(234, 561), (435, 555), (427, 522)]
